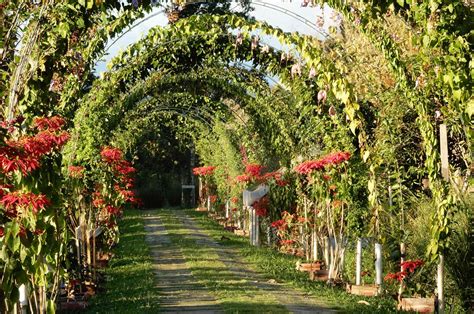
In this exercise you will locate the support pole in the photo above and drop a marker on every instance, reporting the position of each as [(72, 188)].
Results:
[(326, 251), (378, 264), (443, 145), (315, 245), (23, 299), (358, 261)]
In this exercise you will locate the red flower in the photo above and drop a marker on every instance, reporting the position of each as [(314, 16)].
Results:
[(287, 242), (281, 183), (97, 200), (2, 232), (204, 171), (124, 168), (213, 198), (12, 159), (234, 200), (328, 160), (399, 276), (112, 210), (253, 170), (301, 219), (13, 201), (38, 231), (243, 178), (53, 124), (411, 266), (261, 206), (111, 155), (279, 224), (76, 171)]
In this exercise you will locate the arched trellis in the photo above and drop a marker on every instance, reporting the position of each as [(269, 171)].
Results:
[(384, 45), (159, 84), (308, 54), (123, 65)]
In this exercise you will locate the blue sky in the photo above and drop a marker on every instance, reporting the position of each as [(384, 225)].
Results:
[(265, 10)]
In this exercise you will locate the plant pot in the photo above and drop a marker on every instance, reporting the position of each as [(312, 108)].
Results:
[(308, 267), (420, 305), (364, 290), (319, 275), (73, 305), (241, 233)]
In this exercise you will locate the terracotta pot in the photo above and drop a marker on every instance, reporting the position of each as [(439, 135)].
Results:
[(319, 275)]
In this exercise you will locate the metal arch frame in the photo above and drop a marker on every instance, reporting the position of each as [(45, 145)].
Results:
[(221, 35), (226, 35), (147, 96), (261, 3)]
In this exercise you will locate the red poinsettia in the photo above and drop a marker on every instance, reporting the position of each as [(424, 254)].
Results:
[(112, 210), (254, 170), (76, 171), (204, 171), (279, 224), (411, 266), (111, 155), (97, 200), (15, 200), (287, 242), (53, 123), (213, 198), (319, 164), (261, 206), (399, 276), (12, 159)]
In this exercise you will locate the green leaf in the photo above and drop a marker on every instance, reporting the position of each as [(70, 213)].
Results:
[(470, 108), (50, 307), (366, 156)]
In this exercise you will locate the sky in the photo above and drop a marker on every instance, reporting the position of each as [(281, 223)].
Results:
[(288, 15)]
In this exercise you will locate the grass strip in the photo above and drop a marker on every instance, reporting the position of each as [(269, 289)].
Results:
[(235, 295), (281, 267), (130, 284)]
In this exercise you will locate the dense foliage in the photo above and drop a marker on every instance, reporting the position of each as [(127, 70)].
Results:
[(376, 91)]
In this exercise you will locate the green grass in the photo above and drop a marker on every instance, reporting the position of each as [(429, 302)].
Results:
[(130, 285), (235, 295), (281, 267)]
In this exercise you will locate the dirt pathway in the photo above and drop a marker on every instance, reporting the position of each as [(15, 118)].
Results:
[(181, 292), (295, 301)]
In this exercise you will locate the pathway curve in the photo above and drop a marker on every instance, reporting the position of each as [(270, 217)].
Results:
[(179, 290), (295, 301)]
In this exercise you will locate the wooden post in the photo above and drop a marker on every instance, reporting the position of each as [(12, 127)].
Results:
[(443, 145), (358, 261)]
